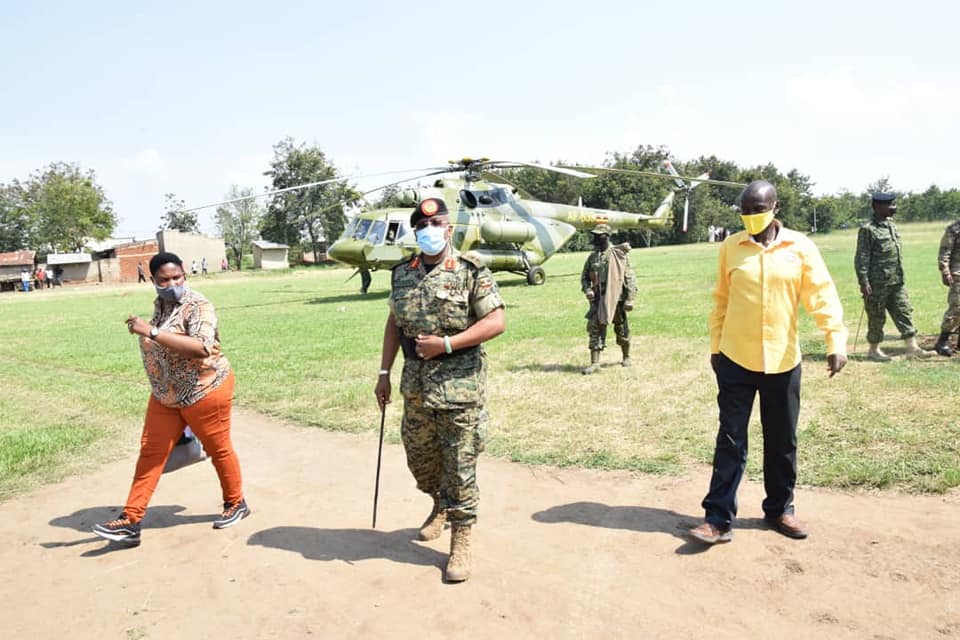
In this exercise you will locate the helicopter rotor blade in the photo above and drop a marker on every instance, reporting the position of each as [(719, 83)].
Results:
[(655, 174), (514, 164), (307, 185)]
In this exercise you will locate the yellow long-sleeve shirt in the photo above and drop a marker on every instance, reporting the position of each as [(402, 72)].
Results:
[(759, 289)]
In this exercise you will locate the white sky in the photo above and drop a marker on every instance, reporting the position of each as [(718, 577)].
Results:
[(190, 97)]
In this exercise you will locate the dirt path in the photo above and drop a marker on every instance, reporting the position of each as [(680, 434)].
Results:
[(559, 554)]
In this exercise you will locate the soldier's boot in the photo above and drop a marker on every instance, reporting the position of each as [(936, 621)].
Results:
[(433, 525), (461, 557), (594, 362), (914, 350), (876, 354), (625, 349), (943, 344)]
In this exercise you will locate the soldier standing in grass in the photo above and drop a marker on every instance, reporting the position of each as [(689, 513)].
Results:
[(764, 274), (879, 267), (608, 282), (949, 262), (443, 307)]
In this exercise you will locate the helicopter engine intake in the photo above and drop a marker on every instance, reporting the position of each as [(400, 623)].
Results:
[(494, 232)]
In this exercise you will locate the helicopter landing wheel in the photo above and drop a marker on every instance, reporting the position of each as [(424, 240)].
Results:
[(536, 276)]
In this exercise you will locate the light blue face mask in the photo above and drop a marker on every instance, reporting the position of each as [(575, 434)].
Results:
[(173, 293), (432, 240)]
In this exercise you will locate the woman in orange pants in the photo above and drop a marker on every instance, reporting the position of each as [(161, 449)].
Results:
[(191, 383)]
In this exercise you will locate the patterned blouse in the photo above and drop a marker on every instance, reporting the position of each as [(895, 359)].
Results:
[(177, 380)]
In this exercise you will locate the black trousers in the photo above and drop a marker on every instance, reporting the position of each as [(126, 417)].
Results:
[(779, 410)]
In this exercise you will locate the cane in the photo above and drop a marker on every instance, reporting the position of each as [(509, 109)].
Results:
[(376, 486), (857, 337)]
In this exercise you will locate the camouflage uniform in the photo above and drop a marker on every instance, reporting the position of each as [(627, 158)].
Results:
[(444, 412), (949, 263), (594, 277), (878, 263)]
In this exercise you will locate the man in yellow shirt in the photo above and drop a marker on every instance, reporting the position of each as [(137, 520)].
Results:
[(765, 272)]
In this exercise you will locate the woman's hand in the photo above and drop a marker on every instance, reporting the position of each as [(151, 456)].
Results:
[(138, 325)]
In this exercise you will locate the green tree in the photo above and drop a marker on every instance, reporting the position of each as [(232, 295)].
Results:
[(239, 221), (67, 206), (17, 225), (175, 218), (313, 213)]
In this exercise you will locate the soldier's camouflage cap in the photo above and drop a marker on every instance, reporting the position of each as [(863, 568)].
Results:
[(428, 208), (601, 229), (881, 196)]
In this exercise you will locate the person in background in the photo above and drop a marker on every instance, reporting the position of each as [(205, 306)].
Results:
[(948, 261), (879, 267)]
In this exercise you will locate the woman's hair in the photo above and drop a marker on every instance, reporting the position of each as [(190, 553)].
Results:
[(163, 258)]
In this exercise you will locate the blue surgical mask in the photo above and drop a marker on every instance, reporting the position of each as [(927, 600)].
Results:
[(432, 239), (173, 293)]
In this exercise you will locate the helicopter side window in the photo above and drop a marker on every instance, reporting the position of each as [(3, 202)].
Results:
[(362, 228), (402, 230), (392, 229), (376, 234)]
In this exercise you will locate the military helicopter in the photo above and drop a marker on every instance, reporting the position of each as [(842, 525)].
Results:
[(493, 221)]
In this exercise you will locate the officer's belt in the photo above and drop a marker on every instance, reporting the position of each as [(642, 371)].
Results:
[(409, 346)]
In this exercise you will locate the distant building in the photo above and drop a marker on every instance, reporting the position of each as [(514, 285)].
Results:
[(192, 246), (270, 255), (11, 264), (77, 267), (118, 262)]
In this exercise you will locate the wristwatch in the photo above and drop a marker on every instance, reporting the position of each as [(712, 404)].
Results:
[(154, 332)]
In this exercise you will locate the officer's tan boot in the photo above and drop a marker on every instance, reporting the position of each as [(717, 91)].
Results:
[(876, 354), (914, 350), (625, 349), (594, 362), (433, 525), (458, 566)]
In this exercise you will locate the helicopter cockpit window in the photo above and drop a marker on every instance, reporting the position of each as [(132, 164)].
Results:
[(362, 227), (348, 231), (376, 234)]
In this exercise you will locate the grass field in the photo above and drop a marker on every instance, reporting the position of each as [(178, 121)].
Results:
[(306, 348)]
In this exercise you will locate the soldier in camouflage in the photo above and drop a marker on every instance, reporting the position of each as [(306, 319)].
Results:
[(879, 270), (609, 284), (443, 307), (949, 263)]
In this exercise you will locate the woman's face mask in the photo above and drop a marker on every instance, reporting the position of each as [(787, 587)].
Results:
[(173, 293)]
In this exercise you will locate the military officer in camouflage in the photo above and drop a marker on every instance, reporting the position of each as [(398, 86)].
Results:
[(880, 273), (949, 264), (609, 284), (443, 307)]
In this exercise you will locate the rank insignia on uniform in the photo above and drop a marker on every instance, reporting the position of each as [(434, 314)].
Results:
[(485, 284), (450, 263), (414, 263)]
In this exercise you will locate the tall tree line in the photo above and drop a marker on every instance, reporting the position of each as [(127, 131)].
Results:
[(59, 207)]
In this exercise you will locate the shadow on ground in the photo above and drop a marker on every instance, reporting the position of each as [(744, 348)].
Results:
[(646, 519), (84, 519), (349, 545)]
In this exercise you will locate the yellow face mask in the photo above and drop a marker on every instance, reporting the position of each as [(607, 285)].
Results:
[(757, 222)]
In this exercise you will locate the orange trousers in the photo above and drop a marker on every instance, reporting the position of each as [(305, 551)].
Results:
[(162, 427)]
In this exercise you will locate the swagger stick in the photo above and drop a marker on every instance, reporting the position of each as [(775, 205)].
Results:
[(376, 486), (857, 337)]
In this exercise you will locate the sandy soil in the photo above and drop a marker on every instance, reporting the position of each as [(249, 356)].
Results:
[(558, 553)]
